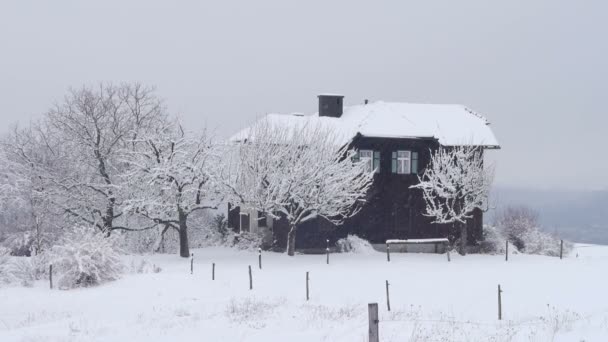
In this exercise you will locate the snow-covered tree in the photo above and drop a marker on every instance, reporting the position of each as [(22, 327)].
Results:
[(454, 184), (73, 152), (25, 213), (299, 173), (172, 176)]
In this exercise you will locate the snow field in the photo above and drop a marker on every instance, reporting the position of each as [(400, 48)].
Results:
[(544, 299)]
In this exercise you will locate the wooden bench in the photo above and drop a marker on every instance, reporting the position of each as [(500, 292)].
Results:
[(438, 241)]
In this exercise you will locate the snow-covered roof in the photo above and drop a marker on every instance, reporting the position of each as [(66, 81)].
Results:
[(451, 125)]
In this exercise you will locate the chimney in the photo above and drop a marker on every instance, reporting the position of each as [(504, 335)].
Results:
[(330, 105)]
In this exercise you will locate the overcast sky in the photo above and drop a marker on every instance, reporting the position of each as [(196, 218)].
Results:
[(536, 69)]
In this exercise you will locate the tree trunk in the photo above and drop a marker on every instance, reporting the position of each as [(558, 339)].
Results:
[(463, 239), (291, 241), (184, 248)]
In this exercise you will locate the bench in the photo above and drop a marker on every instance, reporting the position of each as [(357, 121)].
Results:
[(436, 242)]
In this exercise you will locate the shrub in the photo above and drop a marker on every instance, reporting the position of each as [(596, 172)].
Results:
[(85, 257), (20, 244), (4, 261), (143, 266), (244, 240), (516, 223), (219, 224), (539, 242), (354, 244), (492, 240)]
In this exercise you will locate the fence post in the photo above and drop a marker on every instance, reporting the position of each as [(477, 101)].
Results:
[(388, 252), (499, 303), (250, 279), (388, 298), (327, 250), (447, 249), (373, 330), (307, 290), (507, 250), (51, 275), (192, 264), (561, 248), (213, 271), (260, 257)]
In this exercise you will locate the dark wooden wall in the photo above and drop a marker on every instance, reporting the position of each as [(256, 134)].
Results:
[(392, 210)]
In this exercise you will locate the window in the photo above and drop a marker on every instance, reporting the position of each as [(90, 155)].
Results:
[(261, 219), (405, 162), (367, 157), (371, 160), (244, 217)]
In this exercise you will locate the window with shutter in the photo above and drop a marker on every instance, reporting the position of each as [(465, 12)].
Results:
[(415, 163), (394, 162), (377, 161), (261, 219), (367, 157), (404, 162)]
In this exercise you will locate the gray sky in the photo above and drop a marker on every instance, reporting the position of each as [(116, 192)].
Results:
[(535, 69)]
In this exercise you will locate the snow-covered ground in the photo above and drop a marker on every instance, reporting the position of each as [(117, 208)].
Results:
[(544, 299)]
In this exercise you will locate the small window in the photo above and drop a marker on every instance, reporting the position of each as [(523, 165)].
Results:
[(415, 163), (261, 219), (402, 162), (244, 217), (367, 156), (371, 159)]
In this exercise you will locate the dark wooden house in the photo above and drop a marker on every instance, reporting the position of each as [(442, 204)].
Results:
[(397, 140)]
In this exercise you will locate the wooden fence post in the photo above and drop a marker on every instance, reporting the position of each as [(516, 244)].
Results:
[(388, 298), (307, 290), (51, 275), (327, 250), (260, 257), (499, 303), (192, 264), (447, 249), (373, 330), (561, 248), (388, 252), (507, 250), (213, 271), (250, 279)]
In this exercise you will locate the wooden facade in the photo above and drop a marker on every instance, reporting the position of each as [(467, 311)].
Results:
[(392, 210)]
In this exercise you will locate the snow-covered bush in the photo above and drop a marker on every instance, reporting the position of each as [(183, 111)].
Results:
[(493, 241), (85, 257), (354, 244), (20, 243), (539, 242), (144, 266), (26, 270), (516, 222), (4, 261), (244, 240), (22, 270)]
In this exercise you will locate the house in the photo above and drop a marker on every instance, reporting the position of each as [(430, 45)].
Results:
[(396, 140)]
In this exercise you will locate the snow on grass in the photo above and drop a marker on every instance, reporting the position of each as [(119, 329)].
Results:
[(544, 299)]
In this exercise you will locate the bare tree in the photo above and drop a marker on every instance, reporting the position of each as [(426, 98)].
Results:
[(454, 184), (77, 149), (299, 173), (25, 208), (172, 176)]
